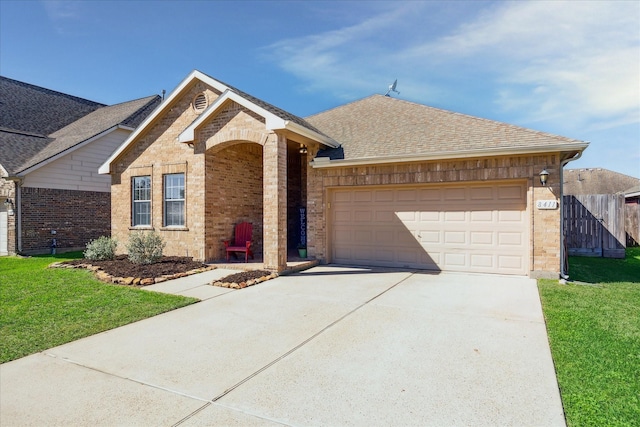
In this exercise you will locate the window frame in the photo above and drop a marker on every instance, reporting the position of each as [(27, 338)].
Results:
[(171, 199), (136, 214)]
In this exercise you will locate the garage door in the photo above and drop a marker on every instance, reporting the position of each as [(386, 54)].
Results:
[(474, 228)]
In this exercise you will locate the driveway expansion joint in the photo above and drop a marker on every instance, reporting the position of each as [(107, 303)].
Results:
[(311, 338)]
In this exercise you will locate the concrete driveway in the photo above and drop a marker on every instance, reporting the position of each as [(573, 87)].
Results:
[(329, 346)]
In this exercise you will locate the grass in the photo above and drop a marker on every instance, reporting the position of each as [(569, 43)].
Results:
[(41, 308), (594, 333)]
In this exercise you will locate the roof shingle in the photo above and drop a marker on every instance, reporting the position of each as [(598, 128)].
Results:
[(381, 126)]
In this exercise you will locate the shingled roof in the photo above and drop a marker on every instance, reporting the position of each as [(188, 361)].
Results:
[(29, 108), (25, 143), (381, 126), (597, 181)]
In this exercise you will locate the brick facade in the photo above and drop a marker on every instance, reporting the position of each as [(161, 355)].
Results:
[(76, 216)]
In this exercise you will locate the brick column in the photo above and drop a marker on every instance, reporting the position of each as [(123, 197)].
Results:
[(275, 202)]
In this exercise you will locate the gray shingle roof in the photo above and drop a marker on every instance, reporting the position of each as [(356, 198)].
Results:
[(31, 108), (381, 126), (279, 112), (20, 150), (597, 181)]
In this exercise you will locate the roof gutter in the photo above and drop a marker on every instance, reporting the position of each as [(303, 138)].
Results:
[(325, 162), (308, 133)]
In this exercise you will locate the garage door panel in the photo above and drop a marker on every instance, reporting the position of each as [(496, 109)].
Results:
[(384, 216), (384, 196), (363, 216), (482, 261), (455, 237), (479, 228), (342, 216), (481, 193), (481, 216), (481, 238), (510, 239), (450, 216), (451, 194), (511, 192)]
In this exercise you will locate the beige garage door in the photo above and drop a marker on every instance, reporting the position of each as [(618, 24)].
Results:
[(474, 228)]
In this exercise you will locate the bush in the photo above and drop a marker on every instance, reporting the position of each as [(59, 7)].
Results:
[(100, 249), (145, 248)]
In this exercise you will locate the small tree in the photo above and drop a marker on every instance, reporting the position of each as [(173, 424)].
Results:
[(100, 249), (145, 247)]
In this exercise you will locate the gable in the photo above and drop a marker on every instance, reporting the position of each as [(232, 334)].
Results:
[(275, 119)]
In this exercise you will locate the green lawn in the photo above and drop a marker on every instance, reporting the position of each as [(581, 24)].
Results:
[(41, 308), (594, 332)]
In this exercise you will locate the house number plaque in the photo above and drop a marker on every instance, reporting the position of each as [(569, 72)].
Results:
[(547, 204)]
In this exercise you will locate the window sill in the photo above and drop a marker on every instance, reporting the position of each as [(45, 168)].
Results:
[(140, 227), (174, 228)]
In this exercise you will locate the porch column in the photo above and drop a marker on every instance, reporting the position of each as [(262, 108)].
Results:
[(275, 202)]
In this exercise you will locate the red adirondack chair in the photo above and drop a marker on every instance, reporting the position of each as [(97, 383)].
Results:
[(242, 241)]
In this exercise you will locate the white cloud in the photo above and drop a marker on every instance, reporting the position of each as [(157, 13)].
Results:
[(576, 63), (61, 12)]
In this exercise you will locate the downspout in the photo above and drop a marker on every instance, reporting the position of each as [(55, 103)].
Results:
[(563, 273)]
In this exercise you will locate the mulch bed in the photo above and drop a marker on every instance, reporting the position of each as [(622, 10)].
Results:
[(124, 272), (122, 267)]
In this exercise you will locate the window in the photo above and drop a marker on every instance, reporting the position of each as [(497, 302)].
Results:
[(141, 191), (174, 199)]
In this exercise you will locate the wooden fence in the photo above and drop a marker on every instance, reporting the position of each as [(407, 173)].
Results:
[(594, 225)]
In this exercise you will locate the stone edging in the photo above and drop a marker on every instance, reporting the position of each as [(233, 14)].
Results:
[(103, 276), (242, 285)]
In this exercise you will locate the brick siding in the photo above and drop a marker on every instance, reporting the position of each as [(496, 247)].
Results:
[(76, 216)]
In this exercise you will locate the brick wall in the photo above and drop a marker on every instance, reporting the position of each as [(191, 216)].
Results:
[(544, 227), (76, 216), (155, 153), (233, 194)]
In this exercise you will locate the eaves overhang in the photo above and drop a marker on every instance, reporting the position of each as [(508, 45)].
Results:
[(326, 162)]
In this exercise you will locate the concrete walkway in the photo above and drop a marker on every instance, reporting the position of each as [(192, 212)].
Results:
[(329, 346)]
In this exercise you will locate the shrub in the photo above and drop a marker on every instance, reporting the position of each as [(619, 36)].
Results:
[(100, 249), (145, 248)]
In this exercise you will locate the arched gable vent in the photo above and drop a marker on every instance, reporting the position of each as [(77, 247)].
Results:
[(200, 103)]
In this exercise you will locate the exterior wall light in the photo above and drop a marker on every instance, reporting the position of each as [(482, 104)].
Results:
[(9, 205), (544, 176), (303, 149)]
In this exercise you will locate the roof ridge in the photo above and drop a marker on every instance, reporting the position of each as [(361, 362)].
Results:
[(22, 132), (51, 91), (343, 105)]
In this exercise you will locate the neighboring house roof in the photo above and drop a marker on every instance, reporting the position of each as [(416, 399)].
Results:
[(632, 192), (276, 118), (387, 129), (30, 108), (596, 181), (23, 149)]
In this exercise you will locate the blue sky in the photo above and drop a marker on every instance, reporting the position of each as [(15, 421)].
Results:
[(569, 68)]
